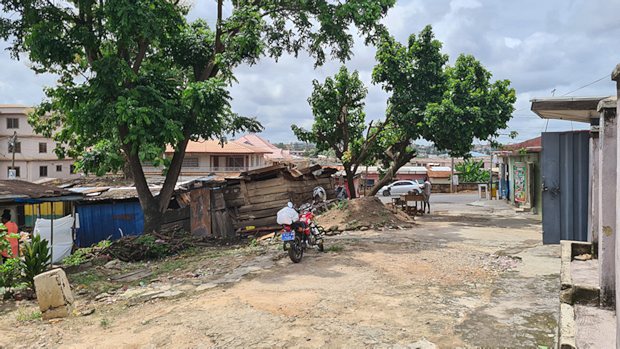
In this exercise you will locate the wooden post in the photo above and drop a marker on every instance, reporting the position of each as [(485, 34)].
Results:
[(52, 233)]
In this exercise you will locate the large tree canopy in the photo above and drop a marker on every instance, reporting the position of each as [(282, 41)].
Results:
[(450, 106), (340, 122), (135, 76)]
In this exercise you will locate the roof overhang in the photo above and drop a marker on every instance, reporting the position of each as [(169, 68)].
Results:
[(580, 109)]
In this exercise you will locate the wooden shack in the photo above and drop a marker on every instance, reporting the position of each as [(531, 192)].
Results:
[(254, 198)]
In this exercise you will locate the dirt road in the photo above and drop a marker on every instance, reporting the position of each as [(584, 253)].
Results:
[(465, 276)]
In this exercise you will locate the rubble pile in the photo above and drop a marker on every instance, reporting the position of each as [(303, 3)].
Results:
[(363, 213), (152, 245)]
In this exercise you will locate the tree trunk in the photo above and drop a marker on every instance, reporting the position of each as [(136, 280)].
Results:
[(401, 160), (350, 183), (382, 182), (153, 217)]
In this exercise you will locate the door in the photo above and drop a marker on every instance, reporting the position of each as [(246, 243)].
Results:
[(565, 186)]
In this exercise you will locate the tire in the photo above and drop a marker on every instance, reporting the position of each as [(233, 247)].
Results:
[(321, 246), (296, 250), (386, 192)]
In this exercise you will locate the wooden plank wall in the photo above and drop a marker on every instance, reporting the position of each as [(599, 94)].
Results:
[(201, 212), (255, 203)]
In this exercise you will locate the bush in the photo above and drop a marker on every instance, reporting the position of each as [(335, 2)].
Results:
[(10, 273), (153, 247), (37, 258)]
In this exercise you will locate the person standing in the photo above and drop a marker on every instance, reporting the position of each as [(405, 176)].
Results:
[(12, 229), (427, 195)]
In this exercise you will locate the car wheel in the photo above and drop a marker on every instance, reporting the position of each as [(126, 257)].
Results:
[(386, 192)]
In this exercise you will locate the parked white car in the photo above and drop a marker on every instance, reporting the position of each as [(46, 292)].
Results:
[(399, 188)]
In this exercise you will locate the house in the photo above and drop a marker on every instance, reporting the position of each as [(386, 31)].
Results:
[(580, 176), (206, 157), (520, 179), (271, 152), (33, 155)]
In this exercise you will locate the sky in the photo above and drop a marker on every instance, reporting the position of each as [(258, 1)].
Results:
[(545, 48)]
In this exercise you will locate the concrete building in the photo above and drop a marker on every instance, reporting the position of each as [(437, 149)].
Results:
[(520, 181), (589, 292), (205, 157), (34, 155)]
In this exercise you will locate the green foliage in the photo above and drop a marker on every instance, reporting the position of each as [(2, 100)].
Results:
[(340, 121), (449, 106), (105, 322), (24, 315), (154, 248), (136, 77), (10, 274), (335, 248), (82, 255), (342, 205), (472, 171), (37, 257)]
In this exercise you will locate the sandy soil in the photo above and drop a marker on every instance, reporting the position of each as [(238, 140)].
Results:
[(367, 212), (465, 276)]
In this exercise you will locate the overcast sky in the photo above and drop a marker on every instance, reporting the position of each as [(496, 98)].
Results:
[(540, 46)]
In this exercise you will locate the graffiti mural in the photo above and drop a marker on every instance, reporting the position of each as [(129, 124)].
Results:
[(520, 178)]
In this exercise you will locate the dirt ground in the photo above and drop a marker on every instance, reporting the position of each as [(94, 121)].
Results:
[(466, 276)]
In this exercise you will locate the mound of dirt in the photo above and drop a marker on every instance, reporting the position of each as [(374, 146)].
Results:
[(367, 212)]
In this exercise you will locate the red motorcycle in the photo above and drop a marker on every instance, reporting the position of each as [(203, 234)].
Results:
[(303, 234)]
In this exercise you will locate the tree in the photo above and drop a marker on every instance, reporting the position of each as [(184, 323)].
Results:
[(448, 106), (135, 76), (340, 121), (472, 171)]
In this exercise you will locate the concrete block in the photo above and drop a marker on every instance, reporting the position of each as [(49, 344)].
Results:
[(567, 327), (53, 294)]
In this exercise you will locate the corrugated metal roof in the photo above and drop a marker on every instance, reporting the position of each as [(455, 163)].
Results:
[(16, 189)]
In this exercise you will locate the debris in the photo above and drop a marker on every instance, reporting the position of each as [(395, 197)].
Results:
[(151, 246), (113, 264), (167, 294), (132, 276), (265, 237), (53, 294), (360, 213), (102, 296), (583, 257), (87, 312)]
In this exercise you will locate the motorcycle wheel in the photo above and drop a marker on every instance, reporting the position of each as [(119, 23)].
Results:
[(296, 250), (386, 193)]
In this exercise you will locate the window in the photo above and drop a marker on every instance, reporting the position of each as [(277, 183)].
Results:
[(72, 169), (58, 168), (190, 162), (18, 147), (17, 174), (42, 147), (42, 171), (236, 161), (12, 123)]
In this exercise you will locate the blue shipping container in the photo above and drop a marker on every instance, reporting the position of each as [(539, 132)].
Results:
[(108, 221)]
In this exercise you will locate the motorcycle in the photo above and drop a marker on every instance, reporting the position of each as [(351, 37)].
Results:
[(308, 234)]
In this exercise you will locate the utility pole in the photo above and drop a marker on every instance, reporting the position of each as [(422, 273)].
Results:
[(452, 176), (12, 144)]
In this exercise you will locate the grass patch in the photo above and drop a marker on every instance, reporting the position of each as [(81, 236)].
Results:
[(24, 314), (85, 278), (105, 322), (170, 266), (335, 248)]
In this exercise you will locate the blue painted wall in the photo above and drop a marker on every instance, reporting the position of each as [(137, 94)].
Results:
[(106, 220)]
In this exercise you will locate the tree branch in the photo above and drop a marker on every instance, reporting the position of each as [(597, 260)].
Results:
[(173, 174), (142, 47)]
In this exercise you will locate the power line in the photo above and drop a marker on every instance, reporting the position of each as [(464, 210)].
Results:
[(588, 84)]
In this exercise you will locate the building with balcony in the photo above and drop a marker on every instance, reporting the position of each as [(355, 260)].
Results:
[(209, 156), (33, 154)]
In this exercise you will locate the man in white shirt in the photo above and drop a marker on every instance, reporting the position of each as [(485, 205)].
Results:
[(427, 195)]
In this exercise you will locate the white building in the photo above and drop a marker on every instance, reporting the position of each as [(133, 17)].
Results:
[(34, 155)]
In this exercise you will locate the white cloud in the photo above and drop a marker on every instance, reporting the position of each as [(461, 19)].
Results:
[(538, 45)]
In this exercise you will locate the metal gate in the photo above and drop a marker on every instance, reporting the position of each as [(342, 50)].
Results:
[(565, 179)]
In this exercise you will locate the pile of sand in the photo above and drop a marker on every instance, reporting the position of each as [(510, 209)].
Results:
[(366, 212)]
